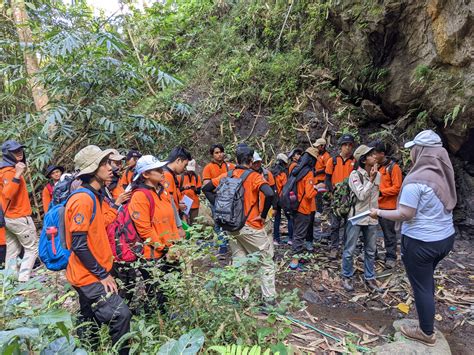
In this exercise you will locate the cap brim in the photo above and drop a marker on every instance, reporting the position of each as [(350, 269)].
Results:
[(409, 144), (117, 157), (154, 166), (95, 164)]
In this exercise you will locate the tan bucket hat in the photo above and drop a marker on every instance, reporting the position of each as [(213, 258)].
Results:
[(361, 151), (320, 141), (87, 160), (116, 156), (313, 152)]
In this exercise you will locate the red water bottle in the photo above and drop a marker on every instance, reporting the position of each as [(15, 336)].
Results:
[(51, 232), (293, 197)]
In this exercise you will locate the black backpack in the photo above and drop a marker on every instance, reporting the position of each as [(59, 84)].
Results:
[(229, 204), (289, 195)]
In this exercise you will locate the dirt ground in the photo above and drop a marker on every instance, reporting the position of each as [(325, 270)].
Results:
[(370, 315)]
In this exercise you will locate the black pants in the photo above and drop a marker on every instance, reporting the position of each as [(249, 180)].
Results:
[(3, 253), (310, 232), (99, 308), (420, 259), (127, 275), (300, 231), (319, 201), (390, 238)]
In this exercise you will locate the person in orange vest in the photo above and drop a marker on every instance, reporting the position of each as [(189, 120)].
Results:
[(90, 264), (190, 185), (131, 160), (280, 172), (252, 238), (390, 186), (217, 166), (115, 186), (158, 231), (176, 164), (20, 228), (53, 172), (320, 168), (294, 158), (267, 175), (306, 195), (339, 168)]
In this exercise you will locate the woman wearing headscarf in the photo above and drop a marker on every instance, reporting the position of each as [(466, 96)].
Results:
[(425, 206)]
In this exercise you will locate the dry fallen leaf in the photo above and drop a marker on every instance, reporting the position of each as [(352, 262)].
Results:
[(403, 307), (439, 317)]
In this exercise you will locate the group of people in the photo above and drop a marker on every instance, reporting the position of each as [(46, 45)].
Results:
[(162, 195)]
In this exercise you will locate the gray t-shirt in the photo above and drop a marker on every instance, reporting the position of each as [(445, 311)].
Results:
[(432, 221)]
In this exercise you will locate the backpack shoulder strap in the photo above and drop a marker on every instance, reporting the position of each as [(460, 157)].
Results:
[(230, 172), (389, 168), (246, 174), (91, 195), (149, 196), (334, 160)]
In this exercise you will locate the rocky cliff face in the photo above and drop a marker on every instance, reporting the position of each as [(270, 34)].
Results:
[(425, 49)]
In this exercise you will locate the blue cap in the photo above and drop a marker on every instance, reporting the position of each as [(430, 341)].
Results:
[(11, 145)]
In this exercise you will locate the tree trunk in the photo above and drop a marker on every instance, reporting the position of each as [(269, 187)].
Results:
[(20, 17)]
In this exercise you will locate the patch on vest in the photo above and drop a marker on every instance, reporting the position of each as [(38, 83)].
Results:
[(136, 215), (79, 218)]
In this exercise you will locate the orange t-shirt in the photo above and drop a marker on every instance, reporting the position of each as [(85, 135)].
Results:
[(271, 181), (126, 178), (157, 231), (109, 212), (170, 186), (252, 188), (306, 194), (78, 214), (292, 166), (3, 240), (15, 194), (213, 170), (46, 197), (280, 181), (390, 185), (117, 191), (342, 171), (187, 183), (321, 166)]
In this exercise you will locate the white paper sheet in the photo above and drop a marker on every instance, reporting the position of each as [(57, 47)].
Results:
[(188, 201), (358, 217)]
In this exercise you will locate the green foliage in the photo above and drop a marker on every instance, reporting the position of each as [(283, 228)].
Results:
[(240, 350), (32, 324), (450, 117)]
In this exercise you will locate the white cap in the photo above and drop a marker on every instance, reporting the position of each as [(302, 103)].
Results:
[(282, 157), (256, 157), (426, 138), (191, 165), (146, 163)]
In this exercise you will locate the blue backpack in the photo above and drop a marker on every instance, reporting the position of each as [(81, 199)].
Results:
[(52, 248)]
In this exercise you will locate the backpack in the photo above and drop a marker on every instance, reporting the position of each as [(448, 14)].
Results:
[(289, 194), (124, 240), (344, 198), (229, 204), (52, 248)]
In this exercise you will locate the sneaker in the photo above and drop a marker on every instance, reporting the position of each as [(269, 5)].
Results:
[(276, 243), (373, 286), (415, 333), (333, 254), (390, 263), (289, 242), (347, 284), (296, 267), (309, 246)]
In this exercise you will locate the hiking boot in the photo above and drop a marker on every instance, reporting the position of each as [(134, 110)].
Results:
[(309, 246), (333, 254), (347, 284), (390, 263), (415, 333), (373, 286)]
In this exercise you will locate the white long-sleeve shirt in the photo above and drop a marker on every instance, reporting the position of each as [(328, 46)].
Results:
[(366, 194)]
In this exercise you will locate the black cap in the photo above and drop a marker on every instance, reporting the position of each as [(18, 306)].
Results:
[(11, 145), (133, 154), (243, 151), (346, 138), (51, 168)]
